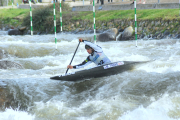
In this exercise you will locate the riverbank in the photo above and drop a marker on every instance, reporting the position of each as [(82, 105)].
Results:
[(158, 24)]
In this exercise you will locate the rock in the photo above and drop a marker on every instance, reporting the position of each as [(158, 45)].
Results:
[(22, 28), (127, 33), (139, 29), (5, 98), (166, 32), (109, 35), (178, 36), (103, 37), (3, 54), (157, 23), (8, 64), (142, 36), (77, 24), (12, 97), (159, 36), (89, 31), (16, 31), (156, 36)]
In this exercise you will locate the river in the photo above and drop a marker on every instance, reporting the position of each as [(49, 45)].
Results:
[(150, 91)]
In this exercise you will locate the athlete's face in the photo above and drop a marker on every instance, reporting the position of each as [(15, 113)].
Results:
[(89, 50)]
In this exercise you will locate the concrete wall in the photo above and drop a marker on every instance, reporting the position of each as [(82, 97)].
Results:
[(120, 5), (123, 1), (127, 7), (149, 1), (26, 6), (46, 1)]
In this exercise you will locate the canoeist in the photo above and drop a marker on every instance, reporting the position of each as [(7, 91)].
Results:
[(96, 55)]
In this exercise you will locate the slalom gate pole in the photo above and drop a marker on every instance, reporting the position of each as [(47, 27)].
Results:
[(31, 17), (135, 22), (94, 22), (55, 25), (60, 15), (12, 3)]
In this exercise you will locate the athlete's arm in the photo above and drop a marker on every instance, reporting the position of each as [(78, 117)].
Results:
[(84, 63)]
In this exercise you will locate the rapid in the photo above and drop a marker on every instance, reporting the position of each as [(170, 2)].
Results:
[(150, 91)]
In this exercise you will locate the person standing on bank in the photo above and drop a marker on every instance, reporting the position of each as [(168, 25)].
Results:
[(96, 55)]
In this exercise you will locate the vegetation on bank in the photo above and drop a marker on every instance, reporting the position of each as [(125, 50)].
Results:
[(12, 16), (43, 17), (154, 14)]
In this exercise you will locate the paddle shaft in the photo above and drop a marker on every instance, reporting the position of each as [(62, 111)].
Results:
[(73, 57)]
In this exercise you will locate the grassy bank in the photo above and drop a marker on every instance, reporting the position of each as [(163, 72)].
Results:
[(155, 14), (12, 17), (44, 16)]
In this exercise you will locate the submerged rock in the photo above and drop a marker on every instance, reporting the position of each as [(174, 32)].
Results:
[(12, 97), (4, 64), (5, 98), (3, 54), (8, 64)]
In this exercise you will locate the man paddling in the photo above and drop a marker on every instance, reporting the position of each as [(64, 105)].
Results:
[(96, 55)]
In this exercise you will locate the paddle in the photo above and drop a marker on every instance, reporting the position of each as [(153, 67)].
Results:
[(72, 57)]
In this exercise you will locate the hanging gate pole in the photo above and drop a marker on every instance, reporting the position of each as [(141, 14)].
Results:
[(55, 25), (60, 16), (94, 22), (135, 22), (31, 17)]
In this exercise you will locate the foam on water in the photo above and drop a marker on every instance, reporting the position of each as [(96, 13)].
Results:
[(162, 109), (150, 91), (11, 114)]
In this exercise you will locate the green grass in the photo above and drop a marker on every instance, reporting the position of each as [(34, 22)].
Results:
[(155, 14), (11, 13), (12, 16), (16, 16)]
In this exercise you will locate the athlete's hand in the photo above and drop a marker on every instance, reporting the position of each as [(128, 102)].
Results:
[(70, 66), (80, 40)]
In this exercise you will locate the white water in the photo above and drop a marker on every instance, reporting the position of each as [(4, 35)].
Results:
[(148, 92)]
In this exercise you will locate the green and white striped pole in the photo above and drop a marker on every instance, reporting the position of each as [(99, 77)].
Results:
[(60, 16), (55, 25), (31, 17), (179, 7), (135, 22), (12, 3), (94, 22)]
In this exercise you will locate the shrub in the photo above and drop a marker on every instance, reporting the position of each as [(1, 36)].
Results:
[(43, 17)]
